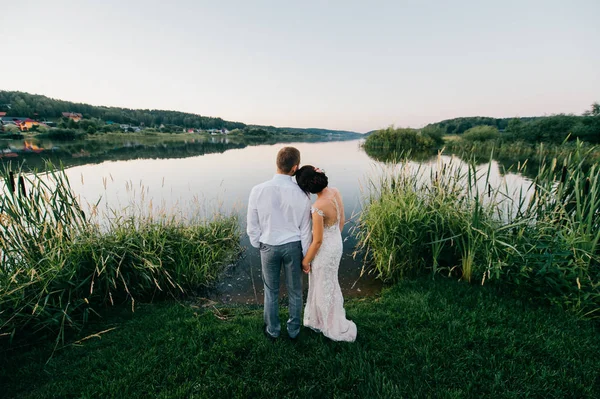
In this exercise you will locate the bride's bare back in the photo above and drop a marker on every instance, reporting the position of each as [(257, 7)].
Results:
[(331, 207)]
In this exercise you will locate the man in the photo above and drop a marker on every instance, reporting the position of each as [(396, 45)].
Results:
[(279, 224)]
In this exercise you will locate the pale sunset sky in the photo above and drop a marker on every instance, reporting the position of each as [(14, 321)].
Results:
[(352, 65)]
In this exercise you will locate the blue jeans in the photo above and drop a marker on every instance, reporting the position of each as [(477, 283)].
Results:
[(272, 257)]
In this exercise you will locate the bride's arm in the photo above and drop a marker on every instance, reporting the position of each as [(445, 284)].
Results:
[(317, 240)]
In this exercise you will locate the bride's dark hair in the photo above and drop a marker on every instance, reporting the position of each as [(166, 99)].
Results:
[(311, 181)]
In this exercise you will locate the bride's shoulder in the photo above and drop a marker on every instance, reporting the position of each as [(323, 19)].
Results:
[(319, 203), (317, 207), (336, 192)]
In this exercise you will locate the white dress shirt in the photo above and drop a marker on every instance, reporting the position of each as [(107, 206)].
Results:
[(279, 213)]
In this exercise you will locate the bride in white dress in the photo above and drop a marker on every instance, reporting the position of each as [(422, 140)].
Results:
[(324, 311)]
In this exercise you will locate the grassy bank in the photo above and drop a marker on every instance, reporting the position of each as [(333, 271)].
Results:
[(421, 338), (454, 222), (61, 265)]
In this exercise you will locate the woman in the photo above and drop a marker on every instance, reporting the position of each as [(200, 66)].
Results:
[(324, 309)]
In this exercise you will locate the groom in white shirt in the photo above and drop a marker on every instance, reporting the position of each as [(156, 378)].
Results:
[(279, 224)]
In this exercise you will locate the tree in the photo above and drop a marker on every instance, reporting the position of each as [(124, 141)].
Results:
[(481, 133), (514, 129), (19, 107), (71, 124), (587, 129), (85, 124), (435, 133), (594, 111)]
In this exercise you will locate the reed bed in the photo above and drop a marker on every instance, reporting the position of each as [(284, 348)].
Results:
[(60, 264), (510, 151), (394, 139), (543, 240)]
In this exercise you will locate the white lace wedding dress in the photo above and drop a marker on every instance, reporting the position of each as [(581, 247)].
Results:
[(324, 311)]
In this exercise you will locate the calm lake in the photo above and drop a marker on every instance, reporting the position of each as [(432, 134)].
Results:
[(218, 175)]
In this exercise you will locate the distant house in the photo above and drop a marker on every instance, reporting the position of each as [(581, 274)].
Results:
[(2, 114), (73, 116), (21, 122), (28, 123), (129, 128), (190, 130)]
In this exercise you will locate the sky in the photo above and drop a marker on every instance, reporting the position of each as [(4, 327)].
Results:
[(350, 65)]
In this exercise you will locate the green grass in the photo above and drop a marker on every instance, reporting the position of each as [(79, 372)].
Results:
[(422, 338)]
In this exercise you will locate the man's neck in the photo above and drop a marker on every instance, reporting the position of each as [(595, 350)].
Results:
[(279, 172)]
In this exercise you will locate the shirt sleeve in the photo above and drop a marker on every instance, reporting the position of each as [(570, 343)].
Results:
[(252, 221), (306, 227)]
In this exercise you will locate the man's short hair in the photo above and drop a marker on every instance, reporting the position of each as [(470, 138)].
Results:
[(287, 158)]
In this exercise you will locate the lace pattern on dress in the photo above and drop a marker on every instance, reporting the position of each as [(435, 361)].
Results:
[(322, 214), (317, 210)]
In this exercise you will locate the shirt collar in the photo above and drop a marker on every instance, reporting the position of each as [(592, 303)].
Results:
[(282, 177)]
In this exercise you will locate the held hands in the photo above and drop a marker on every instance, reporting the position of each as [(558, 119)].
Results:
[(305, 266)]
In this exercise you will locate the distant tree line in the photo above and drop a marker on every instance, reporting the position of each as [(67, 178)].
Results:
[(40, 107), (461, 125), (555, 129), (95, 120), (316, 131), (548, 129)]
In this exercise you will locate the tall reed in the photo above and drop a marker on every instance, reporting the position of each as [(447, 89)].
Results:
[(544, 239), (59, 265)]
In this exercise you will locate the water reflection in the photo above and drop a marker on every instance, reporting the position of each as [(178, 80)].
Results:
[(396, 157), (33, 153)]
